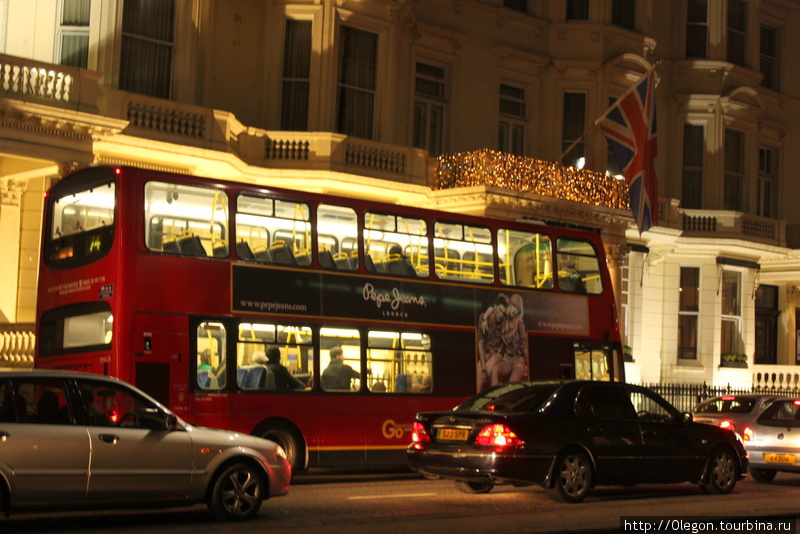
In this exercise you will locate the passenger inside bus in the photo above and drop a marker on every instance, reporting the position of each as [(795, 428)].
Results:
[(338, 375), (282, 377)]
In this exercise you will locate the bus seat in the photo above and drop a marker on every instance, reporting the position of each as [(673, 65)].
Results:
[(256, 377), (241, 374), (169, 243), (220, 248), (326, 259), (342, 261), (203, 379), (303, 257), (401, 383), (281, 253), (190, 244), (369, 264), (354, 259), (269, 379), (243, 251), (262, 253)]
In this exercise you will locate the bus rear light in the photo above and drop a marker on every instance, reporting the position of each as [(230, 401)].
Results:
[(497, 435), (419, 434)]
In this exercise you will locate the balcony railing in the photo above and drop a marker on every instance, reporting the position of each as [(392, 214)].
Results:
[(721, 224)]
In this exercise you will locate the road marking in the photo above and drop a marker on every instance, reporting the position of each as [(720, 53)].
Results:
[(395, 496)]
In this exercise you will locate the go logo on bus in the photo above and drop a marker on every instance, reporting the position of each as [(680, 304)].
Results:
[(391, 429)]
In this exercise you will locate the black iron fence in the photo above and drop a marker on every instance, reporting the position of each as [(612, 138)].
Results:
[(686, 396)]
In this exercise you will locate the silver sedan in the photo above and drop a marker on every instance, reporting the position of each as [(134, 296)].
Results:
[(773, 440), (79, 440)]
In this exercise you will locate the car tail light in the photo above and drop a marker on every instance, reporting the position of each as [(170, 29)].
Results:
[(747, 435), (418, 433), (497, 435), (727, 425)]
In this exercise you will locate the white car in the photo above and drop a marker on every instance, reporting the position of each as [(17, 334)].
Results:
[(80, 440)]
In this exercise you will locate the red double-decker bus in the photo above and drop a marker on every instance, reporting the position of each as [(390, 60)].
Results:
[(183, 285)]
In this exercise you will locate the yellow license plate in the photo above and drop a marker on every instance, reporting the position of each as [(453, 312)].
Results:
[(780, 458), (453, 434)]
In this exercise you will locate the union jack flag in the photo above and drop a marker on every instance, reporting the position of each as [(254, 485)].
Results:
[(630, 128)]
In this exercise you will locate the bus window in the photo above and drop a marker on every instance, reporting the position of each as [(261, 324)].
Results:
[(182, 219), (82, 226), (211, 356), (399, 362), (578, 267), (80, 327), (254, 341), (341, 349), (395, 244), (337, 230), (463, 252), (273, 230), (525, 259), (591, 363)]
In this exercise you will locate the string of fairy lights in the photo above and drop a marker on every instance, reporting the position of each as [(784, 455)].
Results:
[(518, 173)]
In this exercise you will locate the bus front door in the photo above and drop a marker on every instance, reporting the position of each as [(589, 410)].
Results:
[(160, 359)]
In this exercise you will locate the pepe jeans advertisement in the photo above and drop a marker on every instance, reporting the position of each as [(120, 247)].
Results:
[(296, 292)]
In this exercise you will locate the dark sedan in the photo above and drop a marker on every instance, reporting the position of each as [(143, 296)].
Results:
[(571, 436)]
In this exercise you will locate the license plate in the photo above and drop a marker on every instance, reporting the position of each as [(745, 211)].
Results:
[(453, 434), (780, 458)]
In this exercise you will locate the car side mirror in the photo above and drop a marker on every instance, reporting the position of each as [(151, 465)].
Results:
[(172, 422)]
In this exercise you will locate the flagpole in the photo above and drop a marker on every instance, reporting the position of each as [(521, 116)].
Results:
[(612, 106)]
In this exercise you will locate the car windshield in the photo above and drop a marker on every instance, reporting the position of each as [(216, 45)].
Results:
[(781, 413), (728, 405), (514, 397)]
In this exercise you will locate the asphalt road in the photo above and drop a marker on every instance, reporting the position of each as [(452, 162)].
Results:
[(335, 502)]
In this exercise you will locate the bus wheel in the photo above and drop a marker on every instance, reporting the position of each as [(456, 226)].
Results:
[(290, 441), (237, 493)]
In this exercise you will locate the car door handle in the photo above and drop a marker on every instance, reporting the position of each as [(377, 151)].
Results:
[(109, 438)]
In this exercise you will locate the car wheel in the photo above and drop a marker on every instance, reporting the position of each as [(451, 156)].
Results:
[(763, 475), (238, 492), (474, 487), (289, 440), (722, 472), (573, 476)]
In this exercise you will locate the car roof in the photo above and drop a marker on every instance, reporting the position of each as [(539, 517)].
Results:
[(55, 373)]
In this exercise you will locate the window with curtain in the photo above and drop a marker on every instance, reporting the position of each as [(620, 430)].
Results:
[(734, 170), (765, 194), (357, 82), (737, 31), (692, 179), (513, 120), (573, 127), (730, 340), (577, 9), (430, 107), (147, 47), (688, 312), (696, 28), (769, 63), (296, 75), (623, 13), (73, 33), (517, 5)]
